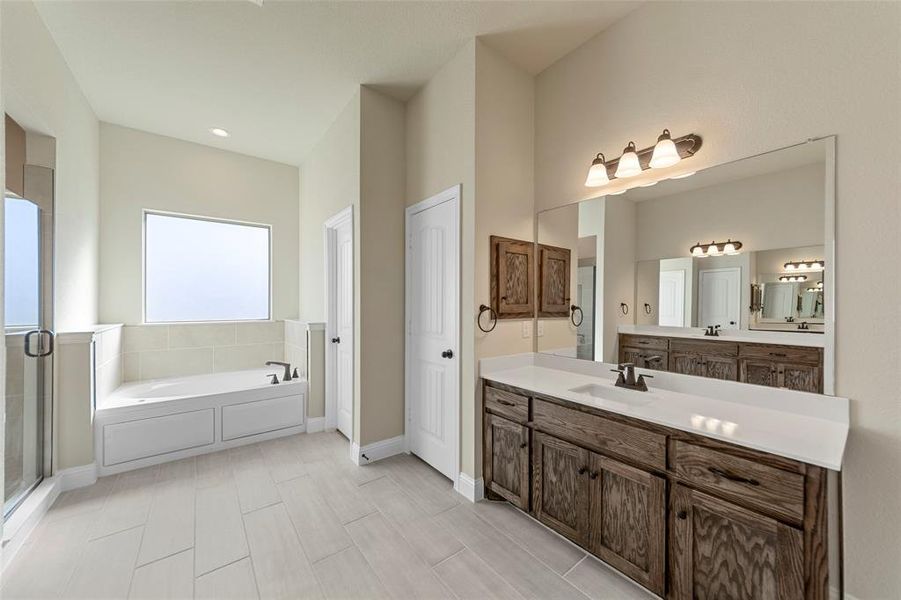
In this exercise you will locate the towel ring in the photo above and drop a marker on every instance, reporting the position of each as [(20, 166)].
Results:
[(492, 314), (624, 308), (572, 315)]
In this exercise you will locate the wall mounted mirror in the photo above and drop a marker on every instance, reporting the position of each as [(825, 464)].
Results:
[(725, 273)]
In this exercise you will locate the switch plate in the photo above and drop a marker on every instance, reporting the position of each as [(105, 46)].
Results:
[(526, 329)]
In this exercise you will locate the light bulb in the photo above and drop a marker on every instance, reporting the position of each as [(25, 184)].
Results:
[(628, 165), (665, 153), (697, 250), (597, 173), (789, 266)]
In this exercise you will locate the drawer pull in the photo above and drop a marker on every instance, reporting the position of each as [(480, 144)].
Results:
[(593, 475), (682, 515), (523, 445), (779, 354), (582, 470), (731, 477), (506, 402)]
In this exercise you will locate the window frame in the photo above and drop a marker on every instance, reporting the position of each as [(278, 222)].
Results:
[(165, 213)]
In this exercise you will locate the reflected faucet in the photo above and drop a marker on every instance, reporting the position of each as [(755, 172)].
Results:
[(627, 379), (286, 366), (712, 330)]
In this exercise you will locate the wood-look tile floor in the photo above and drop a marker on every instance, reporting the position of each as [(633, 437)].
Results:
[(294, 518)]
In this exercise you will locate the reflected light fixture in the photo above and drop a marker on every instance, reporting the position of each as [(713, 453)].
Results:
[(665, 152), (628, 165), (597, 173), (727, 248), (219, 132), (805, 265), (793, 278)]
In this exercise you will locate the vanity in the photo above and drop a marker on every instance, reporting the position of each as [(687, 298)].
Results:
[(689, 494)]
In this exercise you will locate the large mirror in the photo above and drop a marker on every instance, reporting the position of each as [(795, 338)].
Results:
[(704, 274)]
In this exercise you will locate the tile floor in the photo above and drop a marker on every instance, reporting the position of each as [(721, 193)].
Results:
[(294, 518)]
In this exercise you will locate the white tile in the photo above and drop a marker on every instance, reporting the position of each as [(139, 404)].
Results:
[(170, 526), (106, 566), (251, 356), (137, 338), (158, 364), (256, 488), (261, 332), (348, 575), (82, 500), (279, 563), (171, 578), (232, 582), (219, 528), (470, 578), (317, 525), (343, 494), (131, 366), (212, 469), (202, 334), (600, 582), (128, 504), (282, 457)]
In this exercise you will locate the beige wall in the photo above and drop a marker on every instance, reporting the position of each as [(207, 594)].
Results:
[(141, 170), (762, 86), (560, 228), (619, 270), (41, 94)]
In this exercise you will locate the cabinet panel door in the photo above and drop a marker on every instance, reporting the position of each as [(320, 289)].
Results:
[(759, 372), (719, 550), (717, 367), (627, 520), (560, 491), (513, 293), (803, 378), (507, 459), (554, 278), (687, 364), (645, 359)]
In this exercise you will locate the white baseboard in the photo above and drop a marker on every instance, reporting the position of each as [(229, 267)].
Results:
[(315, 424), (471, 489), (77, 477), (376, 451)]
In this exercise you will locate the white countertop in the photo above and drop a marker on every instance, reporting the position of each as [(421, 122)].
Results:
[(788, 338), (812, 429)]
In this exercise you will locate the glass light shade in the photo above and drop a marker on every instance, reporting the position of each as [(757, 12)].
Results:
[(697, 250), (789, 266), (683, 175), (730, 249), (597, 173), (628, 165), (713, 250), (665, 153)]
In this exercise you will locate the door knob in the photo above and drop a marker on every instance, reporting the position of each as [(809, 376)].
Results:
[(447, 354), (336, 340)]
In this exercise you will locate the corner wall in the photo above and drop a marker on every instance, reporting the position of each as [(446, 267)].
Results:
[(772, 75)]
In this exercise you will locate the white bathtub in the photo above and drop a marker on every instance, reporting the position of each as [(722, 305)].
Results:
[(151, 422)]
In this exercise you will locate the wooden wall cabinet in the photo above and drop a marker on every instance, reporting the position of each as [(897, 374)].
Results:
[(512, 278), (683, 515), (554, 281)]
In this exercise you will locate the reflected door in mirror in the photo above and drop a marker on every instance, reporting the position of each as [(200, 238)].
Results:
[(720, 301)]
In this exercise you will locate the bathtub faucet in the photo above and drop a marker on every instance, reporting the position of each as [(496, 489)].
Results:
[(287, 367)]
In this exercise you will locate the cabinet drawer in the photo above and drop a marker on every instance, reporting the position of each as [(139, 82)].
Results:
[(603, 435), (760, 486), (507, 404), (705, 347), (784, 354), (644, 342)]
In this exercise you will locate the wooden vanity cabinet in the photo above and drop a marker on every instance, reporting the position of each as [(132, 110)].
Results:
[(560, 486), (704, 359), (791, 367)]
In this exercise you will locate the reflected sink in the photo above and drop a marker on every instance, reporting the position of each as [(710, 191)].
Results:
[(612, 393)]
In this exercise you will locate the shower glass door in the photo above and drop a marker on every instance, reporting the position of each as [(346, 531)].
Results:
[(29, 345)]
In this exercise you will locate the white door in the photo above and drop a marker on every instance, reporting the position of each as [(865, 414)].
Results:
[(432, 331), (719, 301), (672, 298), (340, 330)]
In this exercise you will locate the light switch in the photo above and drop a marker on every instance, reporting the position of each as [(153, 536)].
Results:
[(526, 329), (540, 328)]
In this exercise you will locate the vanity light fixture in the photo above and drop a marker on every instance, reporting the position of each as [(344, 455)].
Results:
[(219, 132), (665, 152), (597, 173), (629, 165), (805, 265), (727, 248), (793, 278)]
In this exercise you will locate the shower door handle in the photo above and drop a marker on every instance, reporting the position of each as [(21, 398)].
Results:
[(41, 350)]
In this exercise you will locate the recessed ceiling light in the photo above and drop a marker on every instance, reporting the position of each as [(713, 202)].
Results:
[(219, 132)]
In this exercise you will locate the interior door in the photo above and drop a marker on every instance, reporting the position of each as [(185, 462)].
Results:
[(343, 333), (720, 297), (29, 344), (672, 298), (432, 318)]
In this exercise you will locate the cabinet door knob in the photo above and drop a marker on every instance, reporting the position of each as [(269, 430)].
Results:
[(447, 354), (523, 445), (582, 470), (336, 340), (682, 515), (593, 475)]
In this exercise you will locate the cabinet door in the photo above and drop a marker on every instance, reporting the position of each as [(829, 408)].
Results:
[(645, 359), (627, 520), (687, 364), (554, 277), (718, 367), (759, 372), (560, 486), (507, 460), (803, 378), (719, 550), (513, 291)]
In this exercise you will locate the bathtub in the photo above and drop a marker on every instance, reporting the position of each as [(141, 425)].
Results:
[(151, 422)]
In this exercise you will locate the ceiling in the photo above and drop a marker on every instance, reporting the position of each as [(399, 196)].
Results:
[(276, 75)]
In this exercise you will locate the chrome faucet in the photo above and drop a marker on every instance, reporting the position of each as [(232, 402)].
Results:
[(804, 325), (626, 378), (287, 367)]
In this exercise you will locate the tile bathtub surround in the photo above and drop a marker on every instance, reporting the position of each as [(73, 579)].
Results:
[(108, 359), (158, 351)]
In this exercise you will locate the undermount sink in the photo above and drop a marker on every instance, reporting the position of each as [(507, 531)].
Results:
[(612, 393)]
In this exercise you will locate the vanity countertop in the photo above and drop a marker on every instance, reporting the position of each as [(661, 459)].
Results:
[(813, 431), (786, 338)]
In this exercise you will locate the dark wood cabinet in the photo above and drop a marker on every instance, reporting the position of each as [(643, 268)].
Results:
[(645, 359), (627, 520), (720, 550), (507, 460), (554, 281), (560, 486), (512, 278)]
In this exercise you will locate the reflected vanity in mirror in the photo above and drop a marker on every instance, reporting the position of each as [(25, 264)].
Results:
[(725, 273)]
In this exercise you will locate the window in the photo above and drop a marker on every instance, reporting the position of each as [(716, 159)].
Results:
[(22, 253), (203, 269)]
